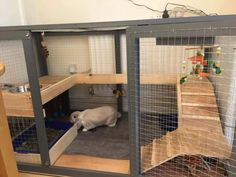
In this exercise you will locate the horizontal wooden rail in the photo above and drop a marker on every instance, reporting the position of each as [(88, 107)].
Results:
[(55, 85), (122, 79)]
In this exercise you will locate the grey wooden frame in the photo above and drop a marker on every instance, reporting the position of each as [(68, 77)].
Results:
[(133, 30)]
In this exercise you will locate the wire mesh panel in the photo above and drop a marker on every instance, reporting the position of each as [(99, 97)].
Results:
[(12, 54), (187, 105), (24, 139), (17, 100)]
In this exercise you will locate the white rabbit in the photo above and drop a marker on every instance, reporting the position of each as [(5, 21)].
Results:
[(91, 118)]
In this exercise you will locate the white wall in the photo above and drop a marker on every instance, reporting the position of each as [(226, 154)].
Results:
[(75, 11), (226, 83), (11, 13), (12, 55), (65, 51), (93, 53), (18, 12)]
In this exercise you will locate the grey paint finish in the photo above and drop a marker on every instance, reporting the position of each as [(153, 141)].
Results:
[(133, 78), (134, 102), (41, 62), (118, 66), (209, 29), (30, 56), (90, 26), (191, 29)]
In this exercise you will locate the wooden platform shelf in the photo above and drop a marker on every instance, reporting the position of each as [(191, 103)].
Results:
[(20, 104), (94, 163)]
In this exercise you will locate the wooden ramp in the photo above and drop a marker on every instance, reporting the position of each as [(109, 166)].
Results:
[(198, 106), (183, 142), (199, 129)]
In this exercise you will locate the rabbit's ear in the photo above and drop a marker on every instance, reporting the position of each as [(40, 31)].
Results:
[(76, 114)]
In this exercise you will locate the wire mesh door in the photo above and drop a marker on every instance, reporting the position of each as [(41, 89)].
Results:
[(14, 84), (18, 93), (182, 86)]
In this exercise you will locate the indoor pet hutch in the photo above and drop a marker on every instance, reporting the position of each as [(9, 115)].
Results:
[(178, 75)]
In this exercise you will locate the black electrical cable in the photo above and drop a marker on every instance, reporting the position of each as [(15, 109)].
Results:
[(143, 5), (181, 5), (165, 12), (174, 5)]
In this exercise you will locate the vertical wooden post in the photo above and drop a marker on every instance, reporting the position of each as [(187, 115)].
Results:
[(8, 166), (179, 101)]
